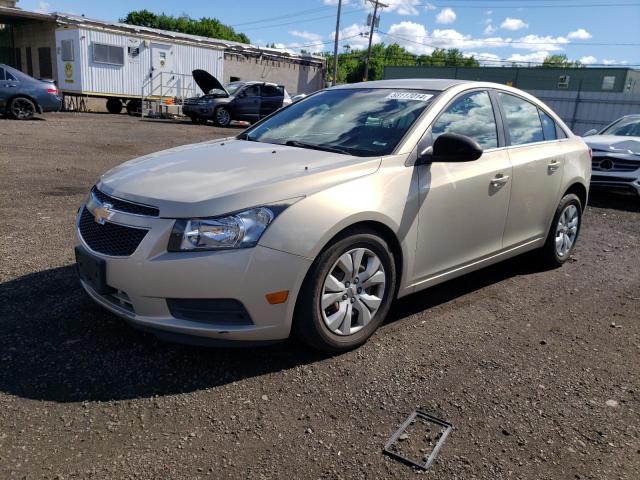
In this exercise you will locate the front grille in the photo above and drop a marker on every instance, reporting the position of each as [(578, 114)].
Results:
[(124, 205), (611, 164), (218, 311), (607, 178), (110, 238)]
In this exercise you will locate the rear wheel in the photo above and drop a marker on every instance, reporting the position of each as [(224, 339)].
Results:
[(347, 293), (21, 108), (134, 107), (114, 105), (222, 117), (564, 231)]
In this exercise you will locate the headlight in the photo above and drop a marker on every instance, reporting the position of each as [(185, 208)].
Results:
[(238, 230)]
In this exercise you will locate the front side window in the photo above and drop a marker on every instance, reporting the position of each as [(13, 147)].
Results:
[(110, 54), (523, 121), (364, 122), (470, 115), (252, 91)]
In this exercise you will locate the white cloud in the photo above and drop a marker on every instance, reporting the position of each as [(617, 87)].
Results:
[(513, 24), (486, 58), (580, 34), (488, 13), (311, 37), (489, 29), (402, 7), (588, 60), (43, 7), (537, 42), (335, 2), (411, 35), (535, 57), (359, 41), (446, 15), (429, 7)]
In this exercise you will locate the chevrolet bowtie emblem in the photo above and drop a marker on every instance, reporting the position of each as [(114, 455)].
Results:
[(103, 213)]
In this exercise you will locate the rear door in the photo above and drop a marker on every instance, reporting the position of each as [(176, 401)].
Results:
[(537, 159), (246, 105), (464, 205), (272, 97)]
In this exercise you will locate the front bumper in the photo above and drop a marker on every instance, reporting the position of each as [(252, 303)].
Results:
[(197, 110), (142, 282), (621, 181)]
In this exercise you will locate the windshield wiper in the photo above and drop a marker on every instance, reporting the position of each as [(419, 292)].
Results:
[(313, 146)]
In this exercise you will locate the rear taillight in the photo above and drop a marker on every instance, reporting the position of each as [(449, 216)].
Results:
[(52, 90)]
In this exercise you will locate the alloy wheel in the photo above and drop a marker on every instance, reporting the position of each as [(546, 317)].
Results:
[(22, 108), (353, 291), (223, 117), (567, 230)]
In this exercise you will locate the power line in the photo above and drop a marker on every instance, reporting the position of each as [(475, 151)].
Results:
[(595, 5), (288, 15)]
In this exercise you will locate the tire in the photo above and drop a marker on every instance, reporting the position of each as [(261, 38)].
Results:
[(325, 328), (566, 226), (222, 117), (21, 108), (134, 107), (114, 105)]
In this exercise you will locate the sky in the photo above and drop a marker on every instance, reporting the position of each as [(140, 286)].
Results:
[(596, 32)]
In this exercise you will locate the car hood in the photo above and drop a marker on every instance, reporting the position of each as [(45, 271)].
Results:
[(614, 144), (207, 82), (222, 176)]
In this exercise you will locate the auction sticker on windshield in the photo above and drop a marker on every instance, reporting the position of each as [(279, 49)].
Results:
[(410, 96)]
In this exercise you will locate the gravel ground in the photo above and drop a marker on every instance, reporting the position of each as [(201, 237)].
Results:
[(537, 370)]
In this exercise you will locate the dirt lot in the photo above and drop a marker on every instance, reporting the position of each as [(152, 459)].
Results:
[(539, 371)]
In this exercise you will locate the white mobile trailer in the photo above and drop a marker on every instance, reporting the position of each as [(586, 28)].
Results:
[(123, 66)]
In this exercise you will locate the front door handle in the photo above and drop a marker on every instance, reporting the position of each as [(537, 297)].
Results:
[(499, 180), (553, 165)]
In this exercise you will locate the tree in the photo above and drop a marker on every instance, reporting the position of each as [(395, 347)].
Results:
[(560, 61), (204, 27)]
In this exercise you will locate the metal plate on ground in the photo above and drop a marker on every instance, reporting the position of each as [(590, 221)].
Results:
[(394, 449)]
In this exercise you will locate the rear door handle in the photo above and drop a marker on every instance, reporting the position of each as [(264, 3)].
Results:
[(553, 165), (499, 180)]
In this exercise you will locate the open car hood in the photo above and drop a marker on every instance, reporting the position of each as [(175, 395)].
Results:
[(207, 82)]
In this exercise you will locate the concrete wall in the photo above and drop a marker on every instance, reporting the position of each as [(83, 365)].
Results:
[(35, 35), (296, 77)]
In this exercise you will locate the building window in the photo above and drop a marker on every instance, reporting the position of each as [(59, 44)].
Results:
[(109, 54), (563, 81), (67, 50), (608, 82)]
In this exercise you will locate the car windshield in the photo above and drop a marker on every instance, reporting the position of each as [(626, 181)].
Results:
[(625, 127), (357, 121), (232, 87)]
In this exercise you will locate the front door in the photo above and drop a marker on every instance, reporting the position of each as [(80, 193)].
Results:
[(464, 205), (247, 104), (8, 87), (163, 79), (538, 159)]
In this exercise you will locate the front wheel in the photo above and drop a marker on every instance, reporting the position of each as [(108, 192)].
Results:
[(21, 108), (347, 293), (564, 231), (222, 117)]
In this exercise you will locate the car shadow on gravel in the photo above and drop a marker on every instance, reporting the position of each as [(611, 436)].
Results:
[(614, 201), (57, 345)]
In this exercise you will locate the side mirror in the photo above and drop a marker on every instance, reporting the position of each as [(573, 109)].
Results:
[(593, 131), (451, 147)]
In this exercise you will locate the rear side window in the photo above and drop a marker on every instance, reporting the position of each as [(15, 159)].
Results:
[(523, 121), (2, 77), (271, 91), (471, 115), (548, 126)]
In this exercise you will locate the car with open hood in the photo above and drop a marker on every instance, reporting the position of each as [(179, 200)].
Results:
[(244, 101), (616, 155), (315, 219)]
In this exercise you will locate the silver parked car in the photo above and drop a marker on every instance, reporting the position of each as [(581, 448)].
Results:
[(616, 155), (313, 220)]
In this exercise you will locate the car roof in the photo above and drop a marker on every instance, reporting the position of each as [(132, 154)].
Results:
[(438, 84)]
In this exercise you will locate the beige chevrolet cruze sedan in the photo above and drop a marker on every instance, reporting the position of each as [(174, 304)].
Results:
[(313, 220)]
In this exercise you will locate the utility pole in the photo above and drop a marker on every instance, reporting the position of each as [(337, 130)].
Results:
[(376, 4), (335, 46)]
